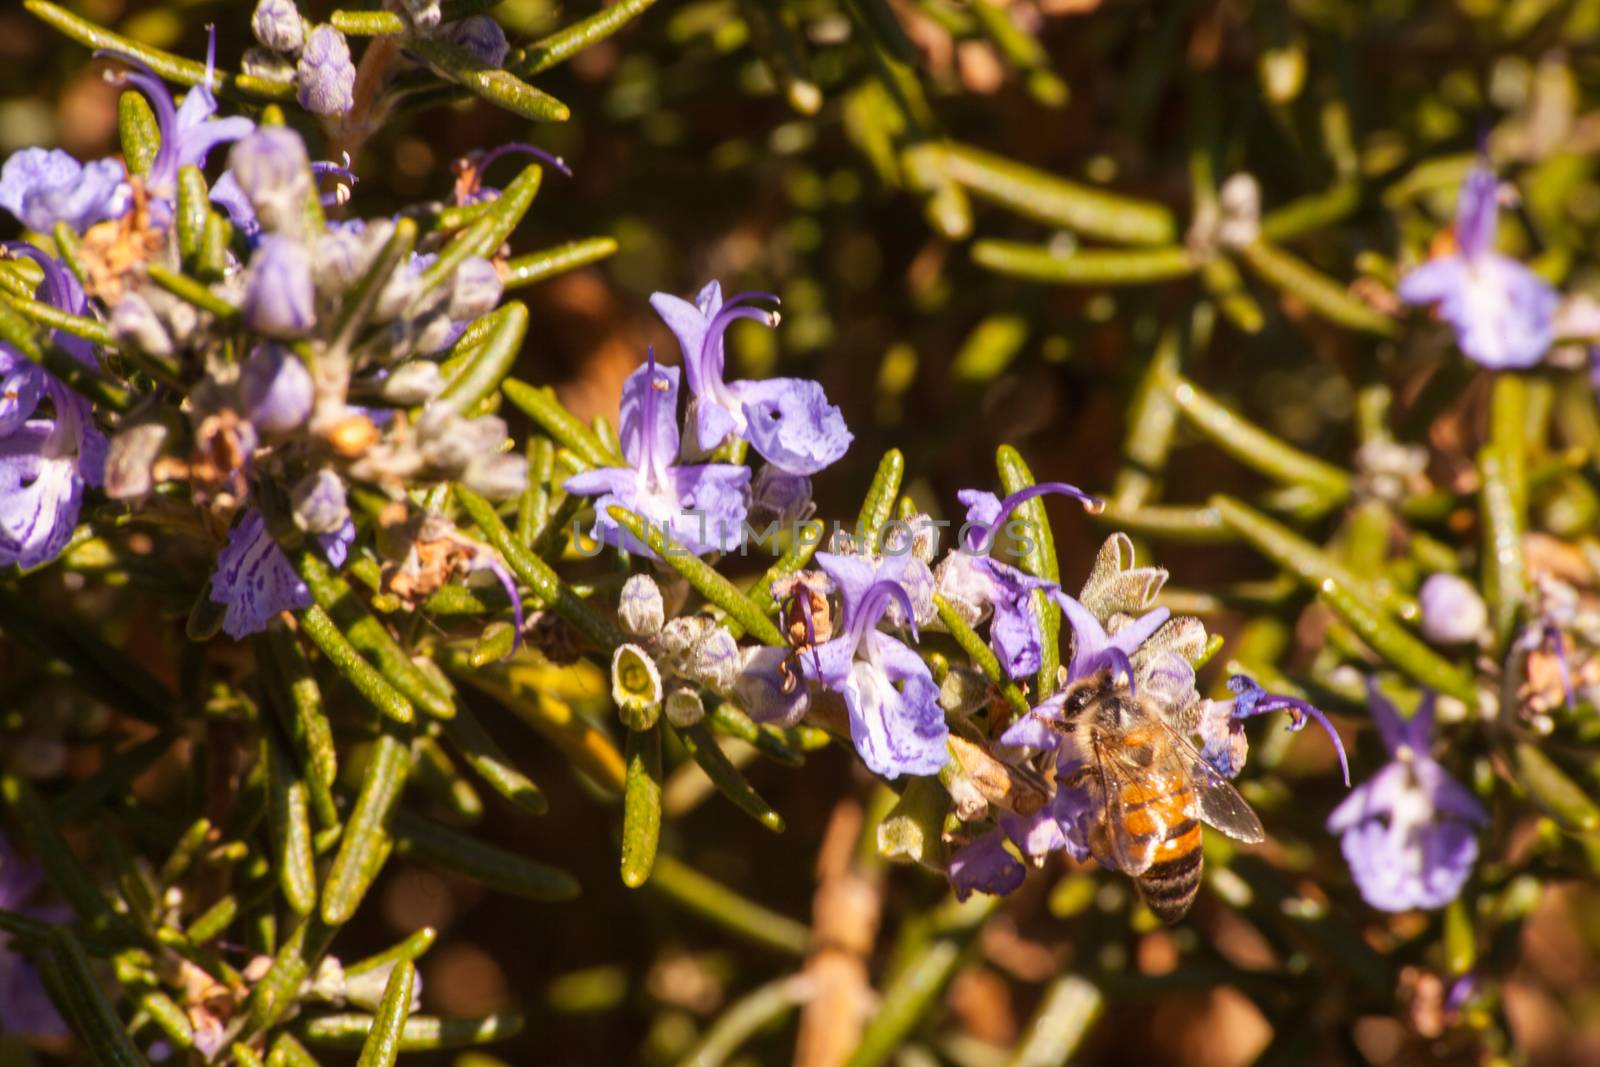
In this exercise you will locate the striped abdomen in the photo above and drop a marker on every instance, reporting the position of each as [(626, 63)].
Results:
[(1158, 807)]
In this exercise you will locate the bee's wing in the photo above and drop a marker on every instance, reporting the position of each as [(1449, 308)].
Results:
[(1134, 827), (1216, 802)]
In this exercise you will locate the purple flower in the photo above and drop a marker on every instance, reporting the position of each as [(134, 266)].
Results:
[(276, 390), (1409, 832), (767, 690), (1092, 650), (188, 133), (977, 584), (703, 506), (984, 866), (45, 462), (25, 1007), (326, 76), (1501, 311), (42, 187), (787, 420), (255, 580), (279, 297), (895, 719), (277, 25), (1221, 725)]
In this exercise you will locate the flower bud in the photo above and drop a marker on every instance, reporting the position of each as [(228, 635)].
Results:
[(475, 290), (135, 324), (424, 14), (713, 661), (275, 390), (1452, 611), (279, 299), (277, 25), (326, 76), (641, 610), (684, 708), (481, 38), (451, 443), (636, 687), (274, 173), (416, 382), (319, 504), (680, 635)]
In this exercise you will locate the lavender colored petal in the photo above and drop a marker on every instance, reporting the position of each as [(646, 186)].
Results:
[(1477, 212), (762, 689), (985, 866), (602, 480), (852, 576), (791, 424), (254, 579), (714, 499), (896, 730), (1037, 835), (658, 432), (40, 494), (1433, 281), (688, 324), (44, 186)]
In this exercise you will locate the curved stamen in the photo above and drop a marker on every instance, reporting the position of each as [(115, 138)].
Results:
[(977, 534), (719, 325), (487, 560), (875, 603), (483, 162), (1253, 700)]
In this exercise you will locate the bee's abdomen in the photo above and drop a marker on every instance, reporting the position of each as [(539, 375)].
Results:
[(1170, 883)]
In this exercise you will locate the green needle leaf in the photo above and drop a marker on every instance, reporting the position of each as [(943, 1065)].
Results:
[(1043, 197), (1255, 447), (550, 262), (171, 67), (366, 842), (536, 573), (290, 822), (439, 846), (567, 42), (721, 906), (703, 749), (421, 1033), (1041, 263), (878, 505), (479, 375), (1397, 645), (138, 132), (641, 806), (382, 1046), (500, 87), (542, 407), (382, 696), (1039, 561), (76, 991), (981, 655), (1321, 294)]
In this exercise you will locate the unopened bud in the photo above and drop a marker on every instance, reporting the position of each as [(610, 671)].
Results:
[(641, 609), (685, 708)]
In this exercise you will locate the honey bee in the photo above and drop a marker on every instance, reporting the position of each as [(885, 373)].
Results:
[(1151, 791)]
